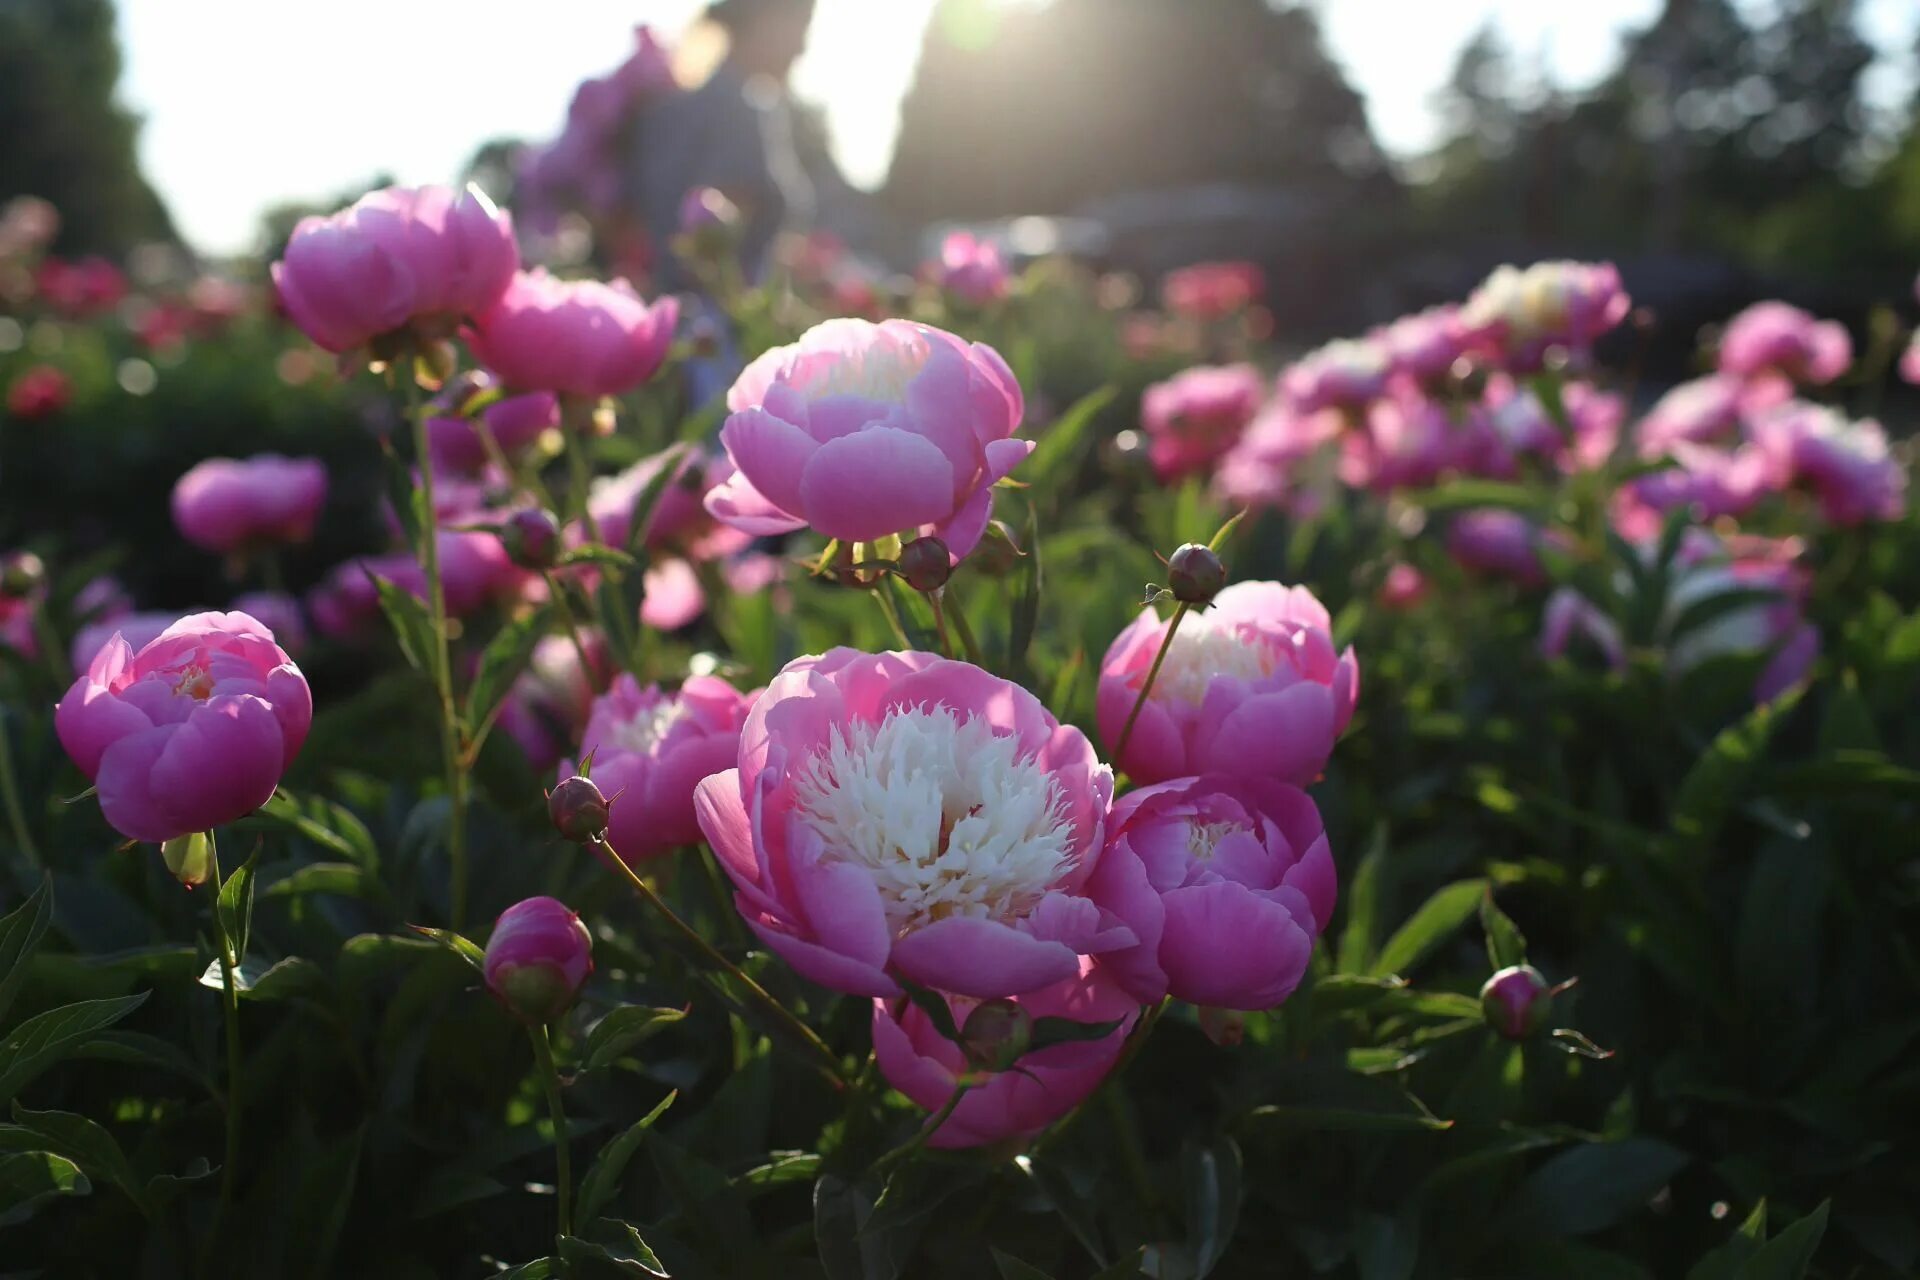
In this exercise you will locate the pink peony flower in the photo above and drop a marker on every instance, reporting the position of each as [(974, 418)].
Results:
[(1517, 1002), (1344, 374), (1016, 1104), (1775, 337), (1710, 482), (1408, 441), (1503, 544), (39, 392), (971, 270), (1283, 460), (574, 337), (649, 748), (680, 522), (1704, 411), (191, 732), (1211, 290), (1226, 880), (1424, 346), (1252, 688), (538, 957), (1910, 361), (1196, 416), (515, 422), (547, 708), (278, 613), (228, 505), (904, 813), (81, 288), (866, 430), (1516, 315), (1405, 587), (1845, 463), (393, 257)]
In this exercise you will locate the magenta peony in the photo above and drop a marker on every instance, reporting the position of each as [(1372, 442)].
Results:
[(537, 959), (573, 337), (1196, 416), (228, 505)]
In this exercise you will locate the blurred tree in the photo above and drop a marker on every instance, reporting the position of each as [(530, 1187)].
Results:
[(1035, 111), (62, 135)]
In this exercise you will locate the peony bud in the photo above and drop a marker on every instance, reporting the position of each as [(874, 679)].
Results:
[(21, 574), (1195, 574), (1517, 1002), (926, 564), (578, 810), (996, 1034), (531, 537), (537, 959)]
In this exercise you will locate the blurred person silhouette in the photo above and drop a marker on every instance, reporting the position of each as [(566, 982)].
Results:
[(733, 131)]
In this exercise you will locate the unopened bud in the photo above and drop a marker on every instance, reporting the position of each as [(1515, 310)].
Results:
[(578, 809), (926, 564), (1195, 574), (537, 959), (531, 537), (996, 1034), (1517, 1002), (21, 574)]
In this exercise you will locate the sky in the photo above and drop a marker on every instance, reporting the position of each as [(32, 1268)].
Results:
[(250, 103)]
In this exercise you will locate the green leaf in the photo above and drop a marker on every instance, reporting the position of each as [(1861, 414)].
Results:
[(648, 501), (1211, 1176), (611, 1247), (625, 1027), (465, 948), (236, 903), (165, 1187), (1354, 992), (1067, 1201), (603, 1179), (331, 826), (840, 1209), (412, 624), (1048, 1032), (450, 1186), (20, 933), (1715, 783), (1593, 1187), (935, 1006), (501, 663), (1461, 495), (256, 980), (1364, 907), (595, 553), (1506, 945), (28, 1177), (1052, 457), (1788, 1255), (1718, 605), (189, 858), (1414, 1118), (1437, 920), (347, 879), (1728, 1262), (1011, 1268), (79, 1140), (538, 1269), (43, 1040), (137, 1049)]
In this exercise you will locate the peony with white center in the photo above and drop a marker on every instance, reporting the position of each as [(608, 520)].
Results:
[(1204, 837), (644, 730), (881, 371), (1202, 650), (948, 817)]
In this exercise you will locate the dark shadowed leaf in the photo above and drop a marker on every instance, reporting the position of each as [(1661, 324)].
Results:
[(1591, 1188), (1436, 921)]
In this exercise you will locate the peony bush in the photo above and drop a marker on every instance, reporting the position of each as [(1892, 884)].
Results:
[(916, 810)]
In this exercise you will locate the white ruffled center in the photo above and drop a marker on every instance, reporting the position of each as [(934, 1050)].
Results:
[(1204, 837), (1203, 649), (879, 371), (643, 731), (945, 814)]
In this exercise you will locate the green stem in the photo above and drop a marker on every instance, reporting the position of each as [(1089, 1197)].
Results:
[(588, 671), (230, 1001), (924, 1132), (1153, 673), (10, 793), (893, 616), (940, 622), (557, 1110), (965, 631), (440, 658), (828, 1065)]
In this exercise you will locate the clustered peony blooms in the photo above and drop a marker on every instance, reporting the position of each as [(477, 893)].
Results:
[(1212, 290), (1845, 463), (228, 505), (907, 814), (1704, 411), (475, 571), (192, 731), (1777, 338), (1518, 314), (38, 392), (537, 959), (515, 422), (1195, 417), (1344, 374), (864, 431), (971, 270), (394, 258), (1226, 881), (649, 749), (580, 338), (1252, 687), (547, 708), (1016, 1104), (1502, 544), (1424, 346)]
